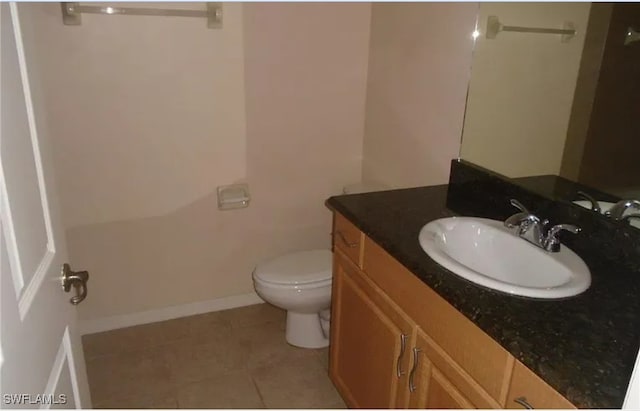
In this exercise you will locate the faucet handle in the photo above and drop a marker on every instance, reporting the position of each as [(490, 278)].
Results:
[(595, 206), (517, 204), (552, 240), (524, 224), (567, 227)]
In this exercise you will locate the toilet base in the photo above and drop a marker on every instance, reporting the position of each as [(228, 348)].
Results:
[(305, 331)]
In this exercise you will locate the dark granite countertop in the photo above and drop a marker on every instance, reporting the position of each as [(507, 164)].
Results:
[(584, 346)]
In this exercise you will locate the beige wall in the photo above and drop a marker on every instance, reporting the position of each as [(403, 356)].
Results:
[(151, 114), (522, 88), (419, 66)]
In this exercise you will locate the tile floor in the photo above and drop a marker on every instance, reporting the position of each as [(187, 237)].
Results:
[(227, 359)]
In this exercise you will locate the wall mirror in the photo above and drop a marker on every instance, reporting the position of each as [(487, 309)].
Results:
[(555, 93)]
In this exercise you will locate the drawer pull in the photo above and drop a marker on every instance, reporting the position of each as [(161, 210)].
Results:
[(416, 357), (523, 401), (345, 241), (403, 347)]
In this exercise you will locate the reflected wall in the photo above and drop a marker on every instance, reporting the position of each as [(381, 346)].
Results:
[(521, 89)]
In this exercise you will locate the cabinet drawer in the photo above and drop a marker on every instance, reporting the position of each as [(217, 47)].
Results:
[(526, 386), (479, 355), (348, 239)]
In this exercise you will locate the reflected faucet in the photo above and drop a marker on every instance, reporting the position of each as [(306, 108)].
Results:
[(617, 211), (529, 227)]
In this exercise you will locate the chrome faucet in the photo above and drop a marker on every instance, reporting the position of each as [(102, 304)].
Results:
[(618, 209), (530, 228), (524, 224)]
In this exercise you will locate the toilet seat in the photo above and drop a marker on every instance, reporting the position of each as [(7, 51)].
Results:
[(305, 286), (303, 268)]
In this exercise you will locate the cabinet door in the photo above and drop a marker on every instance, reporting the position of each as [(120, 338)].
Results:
[(367, 359), (429, 387), (442, 394)]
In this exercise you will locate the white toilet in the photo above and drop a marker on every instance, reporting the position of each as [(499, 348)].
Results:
[(300, 282)]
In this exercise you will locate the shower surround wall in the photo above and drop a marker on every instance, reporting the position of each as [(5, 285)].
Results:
[(150, 114)]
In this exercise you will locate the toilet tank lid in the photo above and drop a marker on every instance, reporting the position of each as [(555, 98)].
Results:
[(301, 267)]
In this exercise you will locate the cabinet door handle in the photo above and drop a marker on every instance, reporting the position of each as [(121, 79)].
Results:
[(523, 401), (345, 241), (416, 358), (403, 347)]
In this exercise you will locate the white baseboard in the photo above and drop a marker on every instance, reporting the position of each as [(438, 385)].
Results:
[(167, 313)]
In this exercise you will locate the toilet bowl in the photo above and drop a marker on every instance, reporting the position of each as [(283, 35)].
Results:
[(299, 283)]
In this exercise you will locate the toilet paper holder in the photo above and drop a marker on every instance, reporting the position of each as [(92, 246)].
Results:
[(233, 196)]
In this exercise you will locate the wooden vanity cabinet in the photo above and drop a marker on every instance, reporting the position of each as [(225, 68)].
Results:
[(395, 343), (381, 359)]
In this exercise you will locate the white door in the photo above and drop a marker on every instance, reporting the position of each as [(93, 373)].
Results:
[(41, 360)]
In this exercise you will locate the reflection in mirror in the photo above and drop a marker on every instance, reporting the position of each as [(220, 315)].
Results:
[(625, 210), (563, 107)]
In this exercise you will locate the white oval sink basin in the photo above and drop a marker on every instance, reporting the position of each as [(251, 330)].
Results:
[(484, 252), (606, 206)]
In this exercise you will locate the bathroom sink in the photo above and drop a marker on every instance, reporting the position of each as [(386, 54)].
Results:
[(605, 206), (483, 251)]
